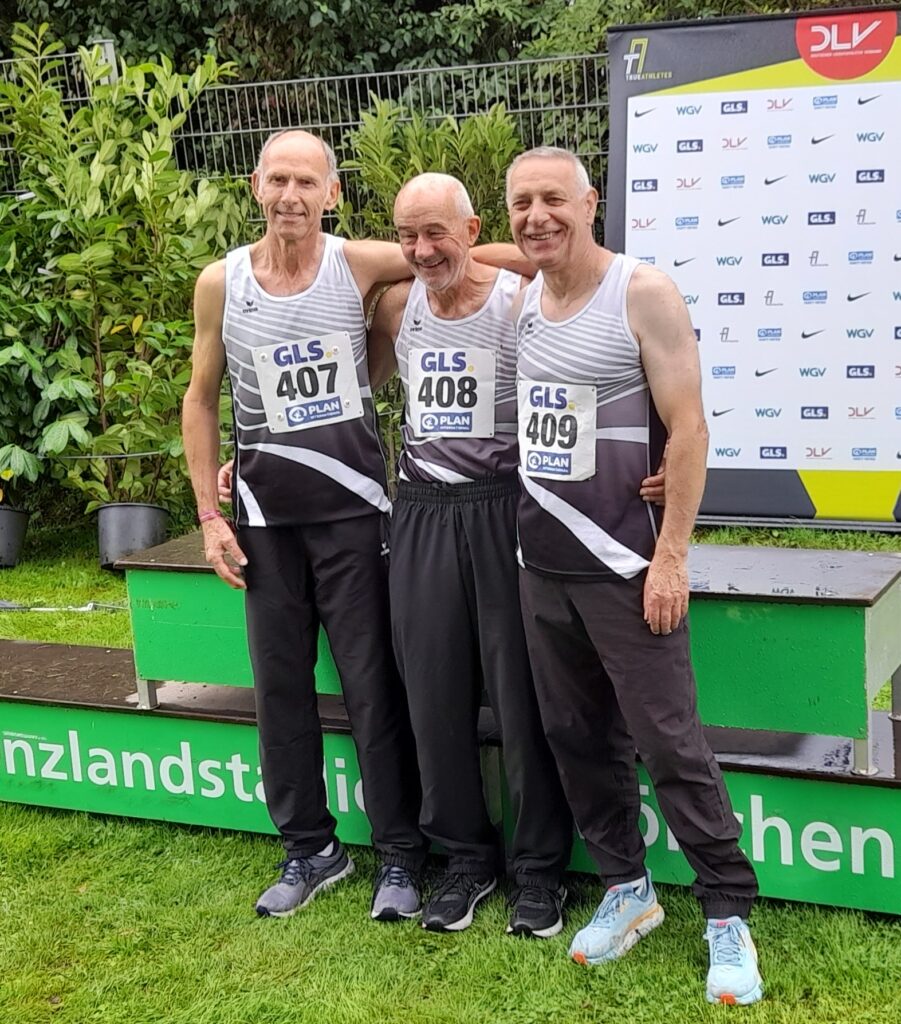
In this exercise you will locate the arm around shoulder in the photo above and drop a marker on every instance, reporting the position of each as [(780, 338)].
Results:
[(383, 331)]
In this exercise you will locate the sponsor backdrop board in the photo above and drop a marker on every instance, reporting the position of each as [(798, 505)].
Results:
[(758, 163)]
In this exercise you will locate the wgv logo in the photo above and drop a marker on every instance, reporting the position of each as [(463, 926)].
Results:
[(644, 184), (870, 136), (814, 412), (821, 178), (691, 300), (729, 261), (730, 299), (812, 371), (728, 453), (644, 147), (859, 332), (774, 218), (734, 107), (689, 111), (772, 414)]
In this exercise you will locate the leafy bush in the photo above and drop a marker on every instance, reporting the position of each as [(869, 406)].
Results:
[(99, 252), (392, 145)]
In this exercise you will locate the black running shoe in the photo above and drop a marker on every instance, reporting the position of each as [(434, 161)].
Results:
[(536, 911), (453, 903)]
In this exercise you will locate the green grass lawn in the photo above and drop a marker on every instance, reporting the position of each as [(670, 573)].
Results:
[(107, 920), (121, 922)]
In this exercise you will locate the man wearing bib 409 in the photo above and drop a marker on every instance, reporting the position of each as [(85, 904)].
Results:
[(286, 316), (454, 608), (607, 365)]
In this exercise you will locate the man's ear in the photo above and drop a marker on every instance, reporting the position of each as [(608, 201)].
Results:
[(473, 227), (333, 195)]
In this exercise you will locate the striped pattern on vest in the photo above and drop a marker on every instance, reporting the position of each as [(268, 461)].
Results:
[(457, 460), (326, 473), (598, 527)]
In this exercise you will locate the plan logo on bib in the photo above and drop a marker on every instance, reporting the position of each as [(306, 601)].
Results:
[(845, 46)]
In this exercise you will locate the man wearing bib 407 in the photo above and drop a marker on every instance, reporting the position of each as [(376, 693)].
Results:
[(607, 364), (285, 315), (453, 577)]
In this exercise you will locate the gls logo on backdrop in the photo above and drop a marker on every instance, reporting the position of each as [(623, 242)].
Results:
[(774, 259), (644, 184), (871, 176), (734, 107), (776, 451), (730, 298), (861, 371), (820, 217), (690, 146), (814, 412)]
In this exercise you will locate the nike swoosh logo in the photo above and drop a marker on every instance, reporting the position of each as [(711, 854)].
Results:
[(772, 181), (869, 99), (816, 142), (723, 223), (854, 298), (810, 334), (721, 412), (641, 113), (681, 263), (897, 258), (763, 373)]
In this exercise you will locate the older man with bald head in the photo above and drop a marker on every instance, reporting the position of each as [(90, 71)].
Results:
[(453, 578)]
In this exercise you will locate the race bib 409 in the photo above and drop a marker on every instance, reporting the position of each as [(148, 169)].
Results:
[(557, 429)]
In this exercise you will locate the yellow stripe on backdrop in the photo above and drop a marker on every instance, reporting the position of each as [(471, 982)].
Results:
[(787, 74), (853, 494)]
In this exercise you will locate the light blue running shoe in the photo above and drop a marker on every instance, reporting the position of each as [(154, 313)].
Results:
[(626, 914), (733, 977)]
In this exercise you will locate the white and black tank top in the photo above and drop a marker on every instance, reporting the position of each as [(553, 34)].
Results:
[(323, 473), (457, 460), (596, 527)]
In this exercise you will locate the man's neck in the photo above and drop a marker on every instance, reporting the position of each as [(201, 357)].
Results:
[(580, 276), (465, 296), (286, 261)]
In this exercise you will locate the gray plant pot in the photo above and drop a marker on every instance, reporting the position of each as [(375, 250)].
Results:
[(125, 527), (13, 523)]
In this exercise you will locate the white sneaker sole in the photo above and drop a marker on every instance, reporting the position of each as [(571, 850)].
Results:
[(730, 999), (324, 884), (642, 926), (466, 920)]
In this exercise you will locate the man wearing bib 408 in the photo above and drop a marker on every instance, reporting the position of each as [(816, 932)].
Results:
[(607, 364), (453, 577), (285, 315)]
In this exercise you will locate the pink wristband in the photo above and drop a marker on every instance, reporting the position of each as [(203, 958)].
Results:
[(213, 513)]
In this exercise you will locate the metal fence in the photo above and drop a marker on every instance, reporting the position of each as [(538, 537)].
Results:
[(559, 102)]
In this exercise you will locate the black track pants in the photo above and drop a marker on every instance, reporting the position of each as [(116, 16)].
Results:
[(333, 573), (457, 625), (607, 685)]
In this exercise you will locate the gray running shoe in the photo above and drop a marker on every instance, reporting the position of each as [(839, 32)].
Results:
[(395, 894), (302, 878)]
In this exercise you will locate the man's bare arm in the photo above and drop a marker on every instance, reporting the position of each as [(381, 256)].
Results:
[(383, 331), (200, 419), (372, 262), (669, 352)]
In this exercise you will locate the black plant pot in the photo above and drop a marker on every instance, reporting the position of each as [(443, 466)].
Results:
[(13, 522), (125, 527)]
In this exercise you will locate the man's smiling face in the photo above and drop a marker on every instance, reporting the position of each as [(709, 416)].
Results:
[(292, 186), (551, 214)]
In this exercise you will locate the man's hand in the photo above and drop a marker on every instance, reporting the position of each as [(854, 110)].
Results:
[(665, 592), (224, 481), (218, 543)]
